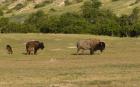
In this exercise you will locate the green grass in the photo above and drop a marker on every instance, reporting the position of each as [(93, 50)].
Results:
[(56, 66)]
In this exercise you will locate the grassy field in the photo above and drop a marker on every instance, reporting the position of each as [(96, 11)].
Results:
[(56, 66)]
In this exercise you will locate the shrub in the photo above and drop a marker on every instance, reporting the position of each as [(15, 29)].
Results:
[(40, 5), (50, 25), (67, 2), (1, 12), (78, 1), (52, 9), (43, 4), (19, 28), (18, 6)]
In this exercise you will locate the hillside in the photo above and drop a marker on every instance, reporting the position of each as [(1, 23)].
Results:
[(21, 8)]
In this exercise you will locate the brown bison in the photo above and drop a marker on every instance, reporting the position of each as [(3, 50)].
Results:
[(90, 44), (34, 46), (9, 49)]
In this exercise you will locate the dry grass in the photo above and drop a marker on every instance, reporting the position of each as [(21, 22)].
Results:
[(56, 66), (118, 7)]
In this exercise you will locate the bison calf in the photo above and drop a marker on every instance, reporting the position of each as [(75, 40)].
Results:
[(9, 49)]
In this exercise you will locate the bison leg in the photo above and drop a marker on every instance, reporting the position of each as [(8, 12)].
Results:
[(101, 51), (35, 51), (82, 51), (11, 52), (28, 52), (91, 51), (78, 51)]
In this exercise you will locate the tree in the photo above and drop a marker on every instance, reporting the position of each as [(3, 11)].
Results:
[(134, 16), (3, 23), (35, 18), (73, 23), (90, 9), (50, 25), (128, 23), (106, 26), (1, 12)]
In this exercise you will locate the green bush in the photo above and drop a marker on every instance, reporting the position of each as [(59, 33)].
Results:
[(78, 1), (18, 6), (19, 28), (73, 23), (43, 4), (50, 25), (40, 5), (1, 13), (67, 2)]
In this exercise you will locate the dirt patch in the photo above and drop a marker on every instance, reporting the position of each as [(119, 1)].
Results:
[(71, 47), (52, 60), (58, 39), (58, 49)]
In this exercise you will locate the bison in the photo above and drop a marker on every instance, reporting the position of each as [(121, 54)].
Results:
[(34, 46), (90, 44), (9, 49)]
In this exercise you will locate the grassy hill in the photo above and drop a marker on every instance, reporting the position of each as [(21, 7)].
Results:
[(21, 8)]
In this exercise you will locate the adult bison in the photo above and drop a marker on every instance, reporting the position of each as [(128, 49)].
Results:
[(34, 46), (90, 44)]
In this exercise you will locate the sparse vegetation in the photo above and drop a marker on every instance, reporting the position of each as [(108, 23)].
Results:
[(67, 2), (70, 2), (9, 11), (78, 1), (114, 0), (136, 2), (39, 5), (44, 3), (18, 6), (52, 9)]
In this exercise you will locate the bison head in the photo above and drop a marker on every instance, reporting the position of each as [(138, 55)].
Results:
[(101, 46), (41, 45)]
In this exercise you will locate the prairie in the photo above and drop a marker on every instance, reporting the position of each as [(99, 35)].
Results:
[(57, 66)]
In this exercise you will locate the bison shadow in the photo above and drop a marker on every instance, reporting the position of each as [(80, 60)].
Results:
[(27, 54), (86, 54)]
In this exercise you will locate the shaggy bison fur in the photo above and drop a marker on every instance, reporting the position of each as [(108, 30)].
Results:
[(90, 44), (34, 46)]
